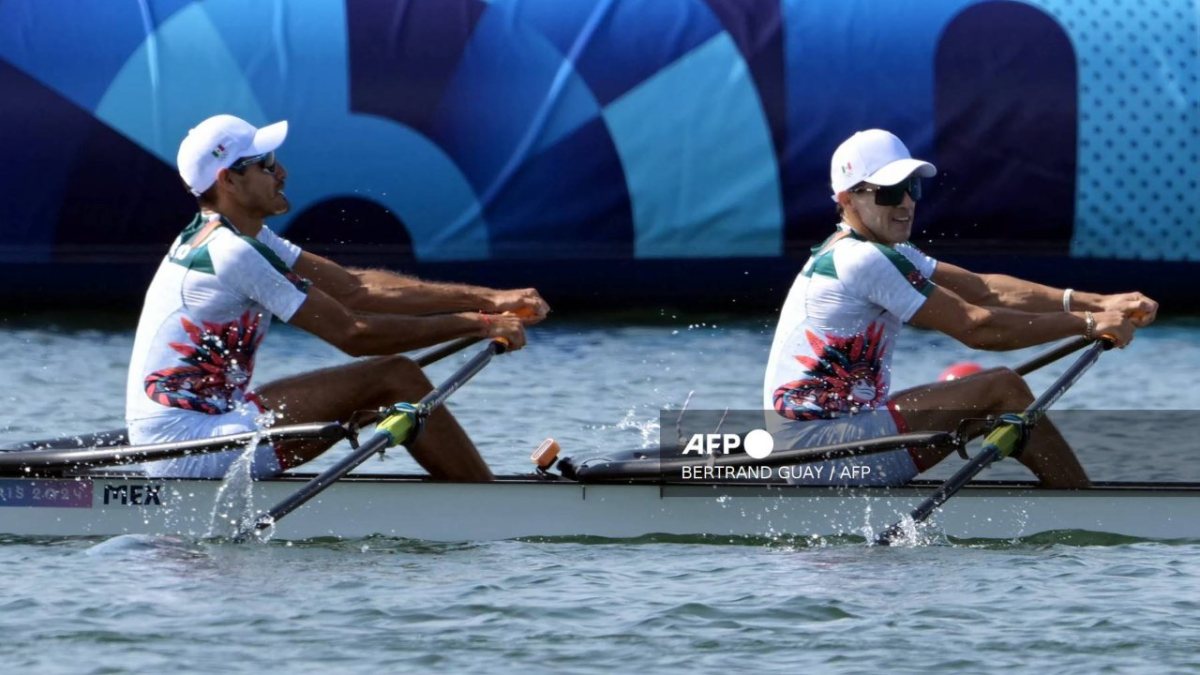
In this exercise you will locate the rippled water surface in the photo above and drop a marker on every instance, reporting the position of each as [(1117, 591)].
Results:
[(1074, 602)]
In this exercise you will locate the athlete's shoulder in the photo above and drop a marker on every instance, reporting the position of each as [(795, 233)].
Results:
[(821, 261), (863, 252), (194, 245), (238, 257), (853, 253), (874, 263), (282, 247), (231, 244), (913, 252)]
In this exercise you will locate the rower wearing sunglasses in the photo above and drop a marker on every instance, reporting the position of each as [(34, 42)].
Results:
[(828, 377), (211, 302)]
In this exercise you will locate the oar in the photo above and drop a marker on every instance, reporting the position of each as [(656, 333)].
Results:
[(438, 353), (398, 428), (1054, 354), (1007, 438), (56, 461)]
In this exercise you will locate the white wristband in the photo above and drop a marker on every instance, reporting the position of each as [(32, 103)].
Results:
[(1067, 299)]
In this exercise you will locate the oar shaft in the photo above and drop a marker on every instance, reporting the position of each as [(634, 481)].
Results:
[(947, 490), (1066, 380), (377, 442), (1065, 349), (468, 370), (57, 460), (394, 431), (442, 351)]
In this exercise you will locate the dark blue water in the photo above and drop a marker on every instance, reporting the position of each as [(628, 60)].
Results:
[(1080, 604)]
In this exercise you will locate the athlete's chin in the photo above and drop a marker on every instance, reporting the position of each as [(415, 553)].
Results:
[(282, 206), (901, 232)]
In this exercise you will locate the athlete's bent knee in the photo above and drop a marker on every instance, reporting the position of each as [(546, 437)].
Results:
[(1010, 389), (404, 369)]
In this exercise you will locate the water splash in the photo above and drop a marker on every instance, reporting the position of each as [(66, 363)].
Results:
[(646, 428), (233, 506), (261, 534)]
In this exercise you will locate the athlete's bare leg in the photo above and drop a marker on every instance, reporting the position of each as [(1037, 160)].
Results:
[(941, 405), (333, 394)]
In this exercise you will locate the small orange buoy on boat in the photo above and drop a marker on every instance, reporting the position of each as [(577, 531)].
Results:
[(959, 370), (545, 454)]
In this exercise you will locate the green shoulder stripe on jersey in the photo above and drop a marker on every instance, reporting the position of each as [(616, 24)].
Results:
[(187, 253), (823, 265), (299, 282), (822, 262), (908, 270), (192, 250), (267, 253)]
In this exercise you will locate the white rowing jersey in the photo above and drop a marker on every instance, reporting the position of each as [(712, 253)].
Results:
[(207, 310), (832, 351)]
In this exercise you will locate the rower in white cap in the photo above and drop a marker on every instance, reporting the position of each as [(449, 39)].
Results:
[(226, 275), (829, 374)]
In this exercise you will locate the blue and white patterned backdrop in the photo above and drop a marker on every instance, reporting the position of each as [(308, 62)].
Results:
[(435, 131)]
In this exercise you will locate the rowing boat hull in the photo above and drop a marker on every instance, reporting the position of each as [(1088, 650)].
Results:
[(512, 508)]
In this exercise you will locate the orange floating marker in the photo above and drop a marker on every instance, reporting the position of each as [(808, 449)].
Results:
[(545, 454), (959, 370)]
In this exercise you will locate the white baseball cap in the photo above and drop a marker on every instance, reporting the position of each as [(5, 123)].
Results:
[(218, 142), (874, 156)]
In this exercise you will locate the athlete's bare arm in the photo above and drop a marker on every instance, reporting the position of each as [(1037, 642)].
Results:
[(369, 334), (374, 290), (1001, 290), (1001, 328)]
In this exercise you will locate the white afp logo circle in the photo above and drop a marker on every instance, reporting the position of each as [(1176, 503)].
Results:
[(759, 444)]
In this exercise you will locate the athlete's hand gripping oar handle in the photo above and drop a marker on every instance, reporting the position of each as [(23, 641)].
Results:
[(436, 354), (398, 428), (1007, 438)]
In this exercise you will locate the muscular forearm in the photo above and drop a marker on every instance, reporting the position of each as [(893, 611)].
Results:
[(1027, 296), (379, 334), (389, 293), (1001, 328)]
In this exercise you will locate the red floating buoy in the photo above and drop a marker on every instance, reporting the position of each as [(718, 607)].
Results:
[(959, 370)]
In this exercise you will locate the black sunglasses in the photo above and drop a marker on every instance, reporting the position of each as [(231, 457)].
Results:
[(265, 161), (893, 195)]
